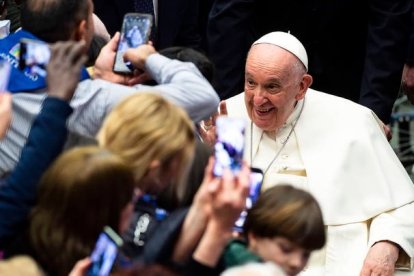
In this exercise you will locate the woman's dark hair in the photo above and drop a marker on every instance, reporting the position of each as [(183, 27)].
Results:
[(84, 190)]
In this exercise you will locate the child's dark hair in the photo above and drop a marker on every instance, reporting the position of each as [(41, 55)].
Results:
[(288, 212)]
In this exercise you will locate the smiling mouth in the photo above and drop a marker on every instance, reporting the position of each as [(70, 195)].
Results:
[(263, 111)]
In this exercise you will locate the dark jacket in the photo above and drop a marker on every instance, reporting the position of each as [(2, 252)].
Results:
[(177, 20), (45, 142)]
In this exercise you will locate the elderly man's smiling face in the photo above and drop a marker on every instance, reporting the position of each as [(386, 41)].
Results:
[(274, 81)]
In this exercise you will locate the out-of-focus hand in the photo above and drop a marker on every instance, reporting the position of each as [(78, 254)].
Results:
[(104, 65), (226, 199), (5, 112), (64, 68), (138, 56), (408, 82), (388, 132), (229, 198), (197, 218), (81, 267), (207, 129), (380, 260), (202, 199)]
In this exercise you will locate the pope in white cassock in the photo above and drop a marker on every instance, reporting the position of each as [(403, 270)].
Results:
[(333, 148)]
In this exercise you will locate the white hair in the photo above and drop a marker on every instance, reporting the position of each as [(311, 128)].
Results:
[(257, 269)]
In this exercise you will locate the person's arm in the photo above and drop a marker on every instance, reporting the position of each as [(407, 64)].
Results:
[(179, 82), (45, 142), (388, 33), (182, 84), (222, 199), (229, 39), (46, 138), (391, 240)]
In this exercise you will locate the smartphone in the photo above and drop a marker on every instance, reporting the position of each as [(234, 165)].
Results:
[(229, 146), (5, 70), (105, 252), (135, 31), (256, 180), (34, 57)]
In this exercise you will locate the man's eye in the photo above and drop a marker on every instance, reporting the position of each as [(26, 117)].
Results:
[(272, 86)]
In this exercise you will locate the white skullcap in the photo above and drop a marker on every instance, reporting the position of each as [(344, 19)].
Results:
[(287, 42)]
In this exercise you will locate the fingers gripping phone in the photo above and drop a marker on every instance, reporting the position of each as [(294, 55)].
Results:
[(105, 252), (229, 146), (34, 57), (256, 180), (5, 69), (135, 31)]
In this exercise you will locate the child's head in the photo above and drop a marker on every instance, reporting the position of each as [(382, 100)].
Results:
[(284, 226)]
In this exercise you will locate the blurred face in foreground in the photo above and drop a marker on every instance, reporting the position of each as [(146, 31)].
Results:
[(274, 81), (289, 256)]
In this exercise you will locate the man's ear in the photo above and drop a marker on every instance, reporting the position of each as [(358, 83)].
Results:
[(304, 85), (81, 31)]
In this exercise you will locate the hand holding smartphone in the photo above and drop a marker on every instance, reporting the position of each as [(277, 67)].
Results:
[(256, 180), (105, 252), (136, 28), (229, 146)]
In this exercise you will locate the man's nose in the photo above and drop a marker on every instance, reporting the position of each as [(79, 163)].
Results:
[(259, 97)]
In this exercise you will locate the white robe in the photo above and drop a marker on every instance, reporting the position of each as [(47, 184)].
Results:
[(364, 192)]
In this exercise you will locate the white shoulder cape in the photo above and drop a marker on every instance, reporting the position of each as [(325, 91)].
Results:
[(351, 168)]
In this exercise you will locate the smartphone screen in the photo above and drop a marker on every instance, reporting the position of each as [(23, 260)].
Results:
[(229, 146), (34, 57), (5, 69), (135, 31), (256, 180), (105, 253)]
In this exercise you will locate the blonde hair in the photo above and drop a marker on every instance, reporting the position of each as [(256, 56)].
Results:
[(20, 266), (146, 127)]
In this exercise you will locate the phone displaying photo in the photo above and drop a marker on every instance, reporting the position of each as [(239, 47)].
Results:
[(229, 146), (5, 69), (135, 31), (105, 252), (34, 57), (256, 180)]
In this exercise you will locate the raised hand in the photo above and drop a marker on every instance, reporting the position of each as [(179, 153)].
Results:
[(104, 65), (207, 129), (64, 68)]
